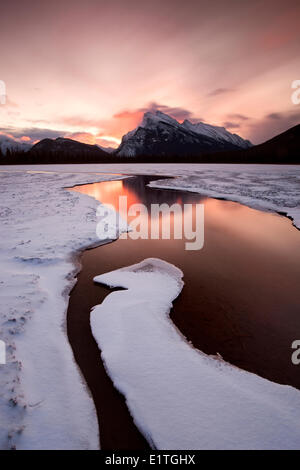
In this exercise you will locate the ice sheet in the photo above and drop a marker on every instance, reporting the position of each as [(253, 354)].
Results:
[(179, 397)]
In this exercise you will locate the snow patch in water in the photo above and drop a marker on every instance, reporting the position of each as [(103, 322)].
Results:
[(179, 397)]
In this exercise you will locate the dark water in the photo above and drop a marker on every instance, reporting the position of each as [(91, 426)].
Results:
[(241, 296)]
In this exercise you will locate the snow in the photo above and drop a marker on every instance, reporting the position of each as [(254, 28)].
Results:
[(266, 187), (179, 397), (151, 120), (43, 400), (216, 132), (133, 141), (274, 188), (44, 403)]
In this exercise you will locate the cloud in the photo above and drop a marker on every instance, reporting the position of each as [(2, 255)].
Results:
[(173, 111), (275, 116), (110, 131), (92, 139), (107, 141), (78, 121), (176, 112), (221, 91), (33, 134), (273, 124), (238, 117), (241, 56), (84, 137), (231, 125), (132, 118), (104, 131), (10, 103), (2, 132), (290, 118), (93, 131)]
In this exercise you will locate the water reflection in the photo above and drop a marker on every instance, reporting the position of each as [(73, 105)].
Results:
[(264, 231), (241, 294)]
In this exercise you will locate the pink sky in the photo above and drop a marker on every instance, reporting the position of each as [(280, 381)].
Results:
[(90, 69)]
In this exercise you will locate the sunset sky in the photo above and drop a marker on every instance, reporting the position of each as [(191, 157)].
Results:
[(90, 69)]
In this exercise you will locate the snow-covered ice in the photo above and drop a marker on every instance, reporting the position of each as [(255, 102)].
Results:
[(43, 400), (179, 397), (275, 188), (44, 403), (266, 187)]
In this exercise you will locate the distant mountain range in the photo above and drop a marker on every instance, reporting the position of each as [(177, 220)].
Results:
[(67, 150), (160, 138), (11, 145)]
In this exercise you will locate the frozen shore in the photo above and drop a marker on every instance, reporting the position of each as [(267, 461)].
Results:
[(43, 400), (271, 188), (44, 403)]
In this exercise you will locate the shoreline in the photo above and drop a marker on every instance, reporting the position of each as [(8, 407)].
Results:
[(110, 405), (188, 327)]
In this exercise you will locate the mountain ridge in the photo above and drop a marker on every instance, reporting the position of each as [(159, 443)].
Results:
[(7, 144), (283, 148), (160, 134)]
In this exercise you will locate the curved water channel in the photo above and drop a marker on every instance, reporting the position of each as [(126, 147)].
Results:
[(240, 299)]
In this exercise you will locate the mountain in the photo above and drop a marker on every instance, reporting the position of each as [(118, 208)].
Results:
[(161, 139), (161, 135), (106, 149), (283, 148), (62, 150), (218, 133), (8, 144)]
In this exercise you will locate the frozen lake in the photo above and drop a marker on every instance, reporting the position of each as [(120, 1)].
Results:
[(240, 298)]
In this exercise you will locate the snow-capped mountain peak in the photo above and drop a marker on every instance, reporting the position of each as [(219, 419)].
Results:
[(161, 135), (151, 119), (216, 132)]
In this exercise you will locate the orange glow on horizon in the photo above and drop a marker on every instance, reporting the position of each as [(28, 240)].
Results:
[(202, 63)]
